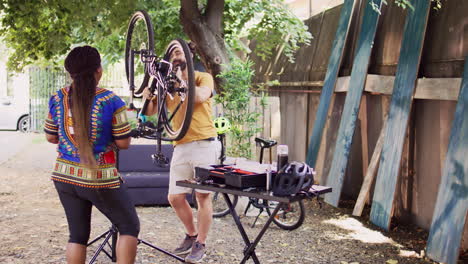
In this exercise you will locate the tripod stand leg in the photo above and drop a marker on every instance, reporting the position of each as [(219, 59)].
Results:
[(111, 234), (97, 238), (161, 250), (101, 248), (114, 247)]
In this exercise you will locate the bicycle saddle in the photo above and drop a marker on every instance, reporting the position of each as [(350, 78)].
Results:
[(265, 143)]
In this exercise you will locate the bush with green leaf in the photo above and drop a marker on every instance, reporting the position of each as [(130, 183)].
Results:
[(235, 100)]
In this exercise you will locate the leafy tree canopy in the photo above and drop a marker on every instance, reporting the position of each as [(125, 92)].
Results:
[(45, 30), (406, 4)]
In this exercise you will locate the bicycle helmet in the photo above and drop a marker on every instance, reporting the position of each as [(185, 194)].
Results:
[(222, 125), (293, 178)]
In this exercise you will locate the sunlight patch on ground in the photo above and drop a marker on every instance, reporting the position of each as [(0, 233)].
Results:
[(409, 254), (358, 231)]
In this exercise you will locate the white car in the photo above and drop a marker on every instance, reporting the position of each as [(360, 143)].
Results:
[(13, 116)]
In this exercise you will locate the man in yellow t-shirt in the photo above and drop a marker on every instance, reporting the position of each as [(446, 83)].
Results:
[(198, 147)]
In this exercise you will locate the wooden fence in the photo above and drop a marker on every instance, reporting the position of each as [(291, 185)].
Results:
[(439, 78)]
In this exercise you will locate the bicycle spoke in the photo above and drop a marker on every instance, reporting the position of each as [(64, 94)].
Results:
[(175, 112), (161, 107)]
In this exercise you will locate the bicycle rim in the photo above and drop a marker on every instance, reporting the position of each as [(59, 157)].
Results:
[(140, 37), (291, 216), (178, 106)]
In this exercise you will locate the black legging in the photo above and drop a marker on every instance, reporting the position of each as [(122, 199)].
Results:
[(115, 204)]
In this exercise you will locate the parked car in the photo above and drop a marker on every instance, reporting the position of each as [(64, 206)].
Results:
[(13, 116)]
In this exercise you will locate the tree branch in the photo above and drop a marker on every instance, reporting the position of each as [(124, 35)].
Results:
[(214, 15), (209, 41), (189, 10)]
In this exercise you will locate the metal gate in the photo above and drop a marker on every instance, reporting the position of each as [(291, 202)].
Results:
[(43, 83)]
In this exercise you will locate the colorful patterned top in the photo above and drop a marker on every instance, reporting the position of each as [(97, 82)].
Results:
[(108, 122)]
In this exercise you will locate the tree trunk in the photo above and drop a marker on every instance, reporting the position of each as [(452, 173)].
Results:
[(206, 32)]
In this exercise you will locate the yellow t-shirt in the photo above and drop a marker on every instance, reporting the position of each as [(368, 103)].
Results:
[(201, 126)]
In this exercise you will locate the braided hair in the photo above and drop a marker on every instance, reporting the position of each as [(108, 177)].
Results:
[(82, 63)]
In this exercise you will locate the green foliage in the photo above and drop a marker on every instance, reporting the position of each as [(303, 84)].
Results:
[(269, 22), (166, 23), (43, 31), (235, 100), (404, 4)]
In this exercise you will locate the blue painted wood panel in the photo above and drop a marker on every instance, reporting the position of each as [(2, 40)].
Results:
[(353, 99), (330, 80), (405, 82), (449, 216)]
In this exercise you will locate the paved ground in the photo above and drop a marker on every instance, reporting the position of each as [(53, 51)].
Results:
[(33, 228), (11, 143)]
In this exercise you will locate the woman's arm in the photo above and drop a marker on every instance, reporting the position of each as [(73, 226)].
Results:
[(123, 143), (152, 106), (52, 138)]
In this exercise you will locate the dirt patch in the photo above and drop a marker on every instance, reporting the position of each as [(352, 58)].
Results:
[(34, 229)]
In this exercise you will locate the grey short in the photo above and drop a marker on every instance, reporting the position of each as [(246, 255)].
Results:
[(186, 157)]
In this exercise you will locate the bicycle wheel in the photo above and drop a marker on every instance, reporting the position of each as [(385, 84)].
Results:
[(220, 208), (140, 40), (177, 102), (290, 216)]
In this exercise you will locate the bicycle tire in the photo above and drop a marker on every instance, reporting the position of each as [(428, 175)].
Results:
[(184, 101), (136, 18), (220, 208), (218, 200), (280, 218)]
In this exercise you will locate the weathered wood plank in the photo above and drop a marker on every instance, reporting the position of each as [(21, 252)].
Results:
[(353, 100), (330, 80), (329, 141), (426, 88), (364, 135), (451, 208), (370, 175), (404, 190), (294, 117), (407, 72), (438, 88)]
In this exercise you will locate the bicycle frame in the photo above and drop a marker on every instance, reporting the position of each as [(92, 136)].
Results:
[(158, 82)]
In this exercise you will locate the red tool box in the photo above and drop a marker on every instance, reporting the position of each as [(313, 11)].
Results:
[(229, 175)]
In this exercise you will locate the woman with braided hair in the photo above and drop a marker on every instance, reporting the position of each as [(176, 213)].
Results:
[(89, 125)]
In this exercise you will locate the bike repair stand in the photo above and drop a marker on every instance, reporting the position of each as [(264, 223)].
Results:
[(160, 160), (112, 234)]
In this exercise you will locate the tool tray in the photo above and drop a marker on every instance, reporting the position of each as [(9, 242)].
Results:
[(226, 174)]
